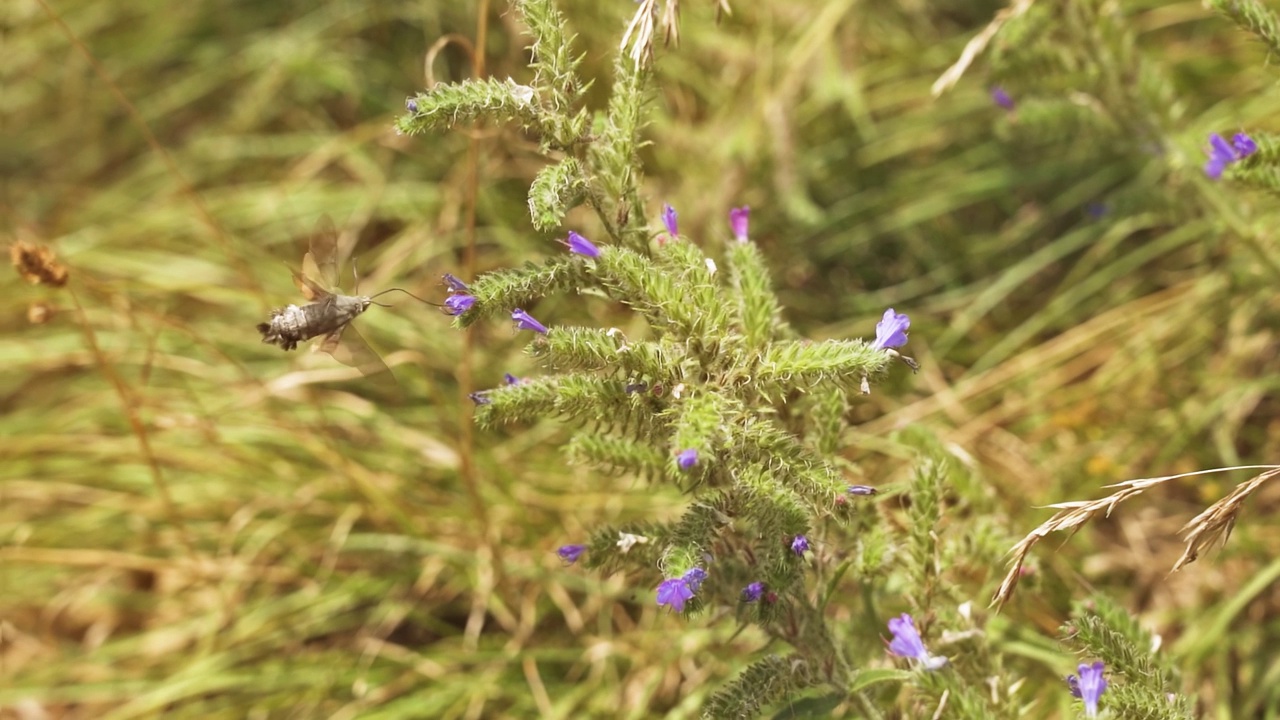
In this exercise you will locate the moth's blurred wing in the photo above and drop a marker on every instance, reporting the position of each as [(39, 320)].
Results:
[(310, 290), (349, 347), (321, 261)]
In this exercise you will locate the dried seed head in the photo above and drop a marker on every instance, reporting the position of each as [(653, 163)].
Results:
[(37, 264)]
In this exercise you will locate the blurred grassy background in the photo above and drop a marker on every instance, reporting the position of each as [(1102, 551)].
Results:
[(322, 553)]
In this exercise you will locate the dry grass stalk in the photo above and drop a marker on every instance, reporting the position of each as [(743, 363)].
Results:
[(639, 32), (1212, 524), (37, 264), (979, 43)]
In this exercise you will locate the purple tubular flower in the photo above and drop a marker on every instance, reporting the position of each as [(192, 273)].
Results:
[(800, 545), (480, 398), (891, 331), (907, 643), (669, 219), (455, 285), (862, 490), (411, 105), (687, 458), (525, 321), (1244, 145), (582, 246), (694, 578), (571, 553), (752, 592), (636, 387), (674, 593), (510, 379), (1001, 98), (458, 304), (1222, 153), (1089, 687), (739, 219)]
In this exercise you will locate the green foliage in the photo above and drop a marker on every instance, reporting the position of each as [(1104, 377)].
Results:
[(350, 553), (1144, 683), (1255, 17)]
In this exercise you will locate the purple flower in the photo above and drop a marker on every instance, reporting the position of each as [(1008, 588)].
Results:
[(480, 398), (687, 458), (862, 490), (891, 331), (582, 246), (510, 379), (571, 553), (636, 387), (455, 285), (458, 304), (739, 218), (752, 592), (669, 219), (1001, 98), (525, 321), (1222, 153), (694, 578), (800, 545), (1089, 687), (674, 593), (411, 105), (907, 643), (1244, 145)]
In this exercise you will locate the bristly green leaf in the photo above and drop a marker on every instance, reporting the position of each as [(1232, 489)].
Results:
[(501, 291), (758, 311), (614, 157), (1255, 17), (448, 105), (556, 189), (768, 681)]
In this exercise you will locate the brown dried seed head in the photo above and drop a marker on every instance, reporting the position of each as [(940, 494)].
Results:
[(37, 264), (39, 313)]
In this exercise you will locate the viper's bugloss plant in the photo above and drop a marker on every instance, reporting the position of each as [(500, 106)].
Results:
[(719, 400)]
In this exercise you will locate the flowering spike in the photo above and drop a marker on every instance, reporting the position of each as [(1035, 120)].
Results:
[(907, 643), (739, 219), (571, 553), (687, 458), (455, 285), (458, 304), (891, 331), (525, 321), (669, 219), (1001, 98), (582, 246), (1089, 687), (800, 545), (752, 592)]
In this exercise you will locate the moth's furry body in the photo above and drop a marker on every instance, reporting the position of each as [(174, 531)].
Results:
[(293, 324)]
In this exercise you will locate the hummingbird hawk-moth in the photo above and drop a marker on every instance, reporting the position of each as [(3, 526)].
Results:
[(329, 314)]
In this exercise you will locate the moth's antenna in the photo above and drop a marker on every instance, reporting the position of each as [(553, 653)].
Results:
[(406, 292), (355, 272)]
